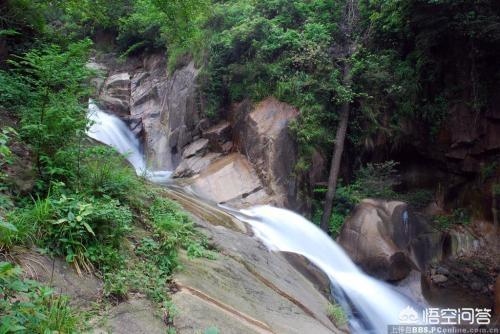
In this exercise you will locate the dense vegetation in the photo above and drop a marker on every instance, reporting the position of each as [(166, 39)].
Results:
[(410, 62), (83, 202)]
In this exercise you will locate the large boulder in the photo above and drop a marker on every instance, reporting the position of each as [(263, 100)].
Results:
[(261, 133), (387, 239), (367, 236), (229, 180)]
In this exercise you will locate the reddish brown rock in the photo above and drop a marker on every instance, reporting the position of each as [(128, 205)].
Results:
[(261, 133), (115, 94), (218, 135)]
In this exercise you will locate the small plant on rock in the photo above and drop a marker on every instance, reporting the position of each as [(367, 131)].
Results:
[(337, 314)]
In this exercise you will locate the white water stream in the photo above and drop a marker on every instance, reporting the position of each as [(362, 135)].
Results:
[(375, 301), (112, 131), (376, 304)]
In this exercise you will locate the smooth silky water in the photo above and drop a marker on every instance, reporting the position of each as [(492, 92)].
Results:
[(112, 131), (370, 304)]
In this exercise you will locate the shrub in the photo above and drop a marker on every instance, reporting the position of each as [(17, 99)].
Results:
[(173, 229), (459, 216), (53, 84), (28, 307), (105, 172), (74, 226), (16, 229), (336, 222)]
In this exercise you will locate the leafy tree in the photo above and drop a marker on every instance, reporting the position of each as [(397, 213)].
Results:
[(53, 112)]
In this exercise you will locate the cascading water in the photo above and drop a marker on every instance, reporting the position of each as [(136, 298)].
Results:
[(112, 131), (376, 303)]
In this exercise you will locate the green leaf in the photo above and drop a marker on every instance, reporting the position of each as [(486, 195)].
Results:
[(5, 267), (60, 221), (87, 226)]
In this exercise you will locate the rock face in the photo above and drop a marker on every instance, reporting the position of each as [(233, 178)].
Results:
[(136, 315), (230, 180), (56, 273), (379, 238), (247, 288), (388, 244), (262, 135), (164, 111), (115, 94), (161, 108), (261, 173), (368, 237)]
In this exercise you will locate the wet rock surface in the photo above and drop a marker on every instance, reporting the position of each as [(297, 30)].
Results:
[(198, 147), (261, 133), (162, 108), (246, 289)]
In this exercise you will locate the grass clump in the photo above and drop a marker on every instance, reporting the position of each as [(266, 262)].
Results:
[(337, 314), (73, 226), (155, 255), (28, 307)]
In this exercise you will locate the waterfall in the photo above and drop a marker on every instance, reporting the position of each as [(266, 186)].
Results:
[(377, 303), (112, 131), (371, 304)]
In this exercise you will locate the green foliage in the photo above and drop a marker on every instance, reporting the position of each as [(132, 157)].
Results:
[(156, 254), (53, 115), (28, 307), (6, 156), (337, 314), (73, 226), (172, 229), (142, 27), (418, 198), (15, 230), (276, 48), (105, 172), (375, 180), (459, 216), (487, 171), (336, 221), (496, 189), (21, 21)]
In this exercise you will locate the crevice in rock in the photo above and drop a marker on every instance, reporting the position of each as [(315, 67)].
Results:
[(276, 289), (257, 325)]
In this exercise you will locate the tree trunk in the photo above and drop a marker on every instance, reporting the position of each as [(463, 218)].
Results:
[(337, 153)]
